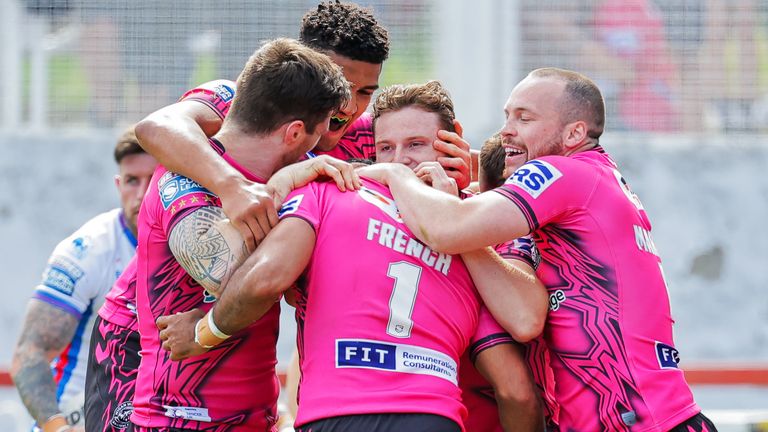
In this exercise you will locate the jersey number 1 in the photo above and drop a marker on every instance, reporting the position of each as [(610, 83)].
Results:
[(406, 276)]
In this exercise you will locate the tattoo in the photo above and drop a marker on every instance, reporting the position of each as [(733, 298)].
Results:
[(204, 248), (47, 330)]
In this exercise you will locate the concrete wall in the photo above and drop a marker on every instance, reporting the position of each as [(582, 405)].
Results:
[(707, 200)]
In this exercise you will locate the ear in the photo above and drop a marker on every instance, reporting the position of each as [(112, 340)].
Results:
[(295, 133), (459, 128), (117, 181), (574, 134)]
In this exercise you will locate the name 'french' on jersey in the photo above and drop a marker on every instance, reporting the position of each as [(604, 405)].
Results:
[(79, 273), (384, 335), (609, 326)]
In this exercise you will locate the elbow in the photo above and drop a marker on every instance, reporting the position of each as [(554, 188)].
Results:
[(261, 284), (528, 329), (146, 130), (442, 241)]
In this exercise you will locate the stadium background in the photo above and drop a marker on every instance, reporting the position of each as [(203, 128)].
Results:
[(686, 85)]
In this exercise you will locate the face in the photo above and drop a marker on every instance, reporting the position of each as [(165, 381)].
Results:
[(132, 182), (405, 136), (532, 127), (363, 79)]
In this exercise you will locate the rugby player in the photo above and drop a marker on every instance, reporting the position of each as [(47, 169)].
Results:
[(609, 328), (60, 315)]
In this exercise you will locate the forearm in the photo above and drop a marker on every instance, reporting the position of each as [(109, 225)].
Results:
[(254, 288), (32, 376), (515, 297), (428, 212), (180, 144), (247, 297)]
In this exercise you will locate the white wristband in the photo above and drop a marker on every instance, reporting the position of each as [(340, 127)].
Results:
[(215, 330)]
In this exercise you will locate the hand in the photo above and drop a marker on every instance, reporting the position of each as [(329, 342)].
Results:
[(251, 209), (457, 163), (301, 173), (433, 174), (177, 333)]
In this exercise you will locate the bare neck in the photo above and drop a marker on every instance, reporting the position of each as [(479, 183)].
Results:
[(257, 153)]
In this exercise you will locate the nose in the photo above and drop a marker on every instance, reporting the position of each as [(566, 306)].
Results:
[(402, 157), (350, 108), (508, 129)]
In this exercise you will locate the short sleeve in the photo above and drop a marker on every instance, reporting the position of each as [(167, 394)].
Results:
[(488, 334), (522, 249), (75, 272), (303, 203), (177, 196), (546, 189), (217, 95)]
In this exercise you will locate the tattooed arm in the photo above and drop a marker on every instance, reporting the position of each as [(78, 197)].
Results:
[(47, 330), (208, 247)]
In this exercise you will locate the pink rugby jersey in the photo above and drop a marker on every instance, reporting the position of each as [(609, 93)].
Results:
[(357, 141), (383, 336), (232, 387), (120, 303), (609, 327)]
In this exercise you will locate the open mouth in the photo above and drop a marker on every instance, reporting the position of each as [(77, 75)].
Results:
[(337, 123), (512, 152)]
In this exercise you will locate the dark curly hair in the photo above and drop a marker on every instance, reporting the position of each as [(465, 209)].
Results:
[(346, 29)]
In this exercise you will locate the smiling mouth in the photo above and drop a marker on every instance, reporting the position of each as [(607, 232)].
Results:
[(511, 152), (337, 123)]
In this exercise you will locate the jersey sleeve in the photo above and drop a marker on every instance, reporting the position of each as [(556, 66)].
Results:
[(217, 95), (522, 249), (549, 188), (303, 203), (488, 334), (178, 196), (75, 272)]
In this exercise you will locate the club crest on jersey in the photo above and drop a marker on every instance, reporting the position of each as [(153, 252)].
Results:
[(667, 355), (62, 275), (225, 92), (534, 177), (292, 206), (173, 186), (387, 205)]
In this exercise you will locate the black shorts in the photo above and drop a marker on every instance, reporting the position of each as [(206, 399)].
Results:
[(396, 422), (697, 423), (110, 379)]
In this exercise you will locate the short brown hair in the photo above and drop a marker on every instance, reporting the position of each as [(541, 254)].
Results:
[(285, 81), (127, 144), (430, 96), (582, 99), (346, 29), (492, 165)]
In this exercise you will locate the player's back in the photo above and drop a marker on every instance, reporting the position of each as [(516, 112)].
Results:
[(382, 332)]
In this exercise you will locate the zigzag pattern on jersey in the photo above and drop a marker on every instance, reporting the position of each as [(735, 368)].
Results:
[(358, 143), (537, 358), (172, 290), (592, 295), (111, 348)]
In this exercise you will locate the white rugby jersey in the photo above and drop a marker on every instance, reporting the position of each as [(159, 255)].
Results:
[(80, 272)]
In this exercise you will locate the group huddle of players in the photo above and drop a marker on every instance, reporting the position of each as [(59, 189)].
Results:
[(532, 299)]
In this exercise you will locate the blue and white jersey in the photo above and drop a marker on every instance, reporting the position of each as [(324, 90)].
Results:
[(80, 272)]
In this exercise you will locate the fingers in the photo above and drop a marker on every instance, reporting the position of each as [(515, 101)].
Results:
[(451, 143), (246, 233)]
